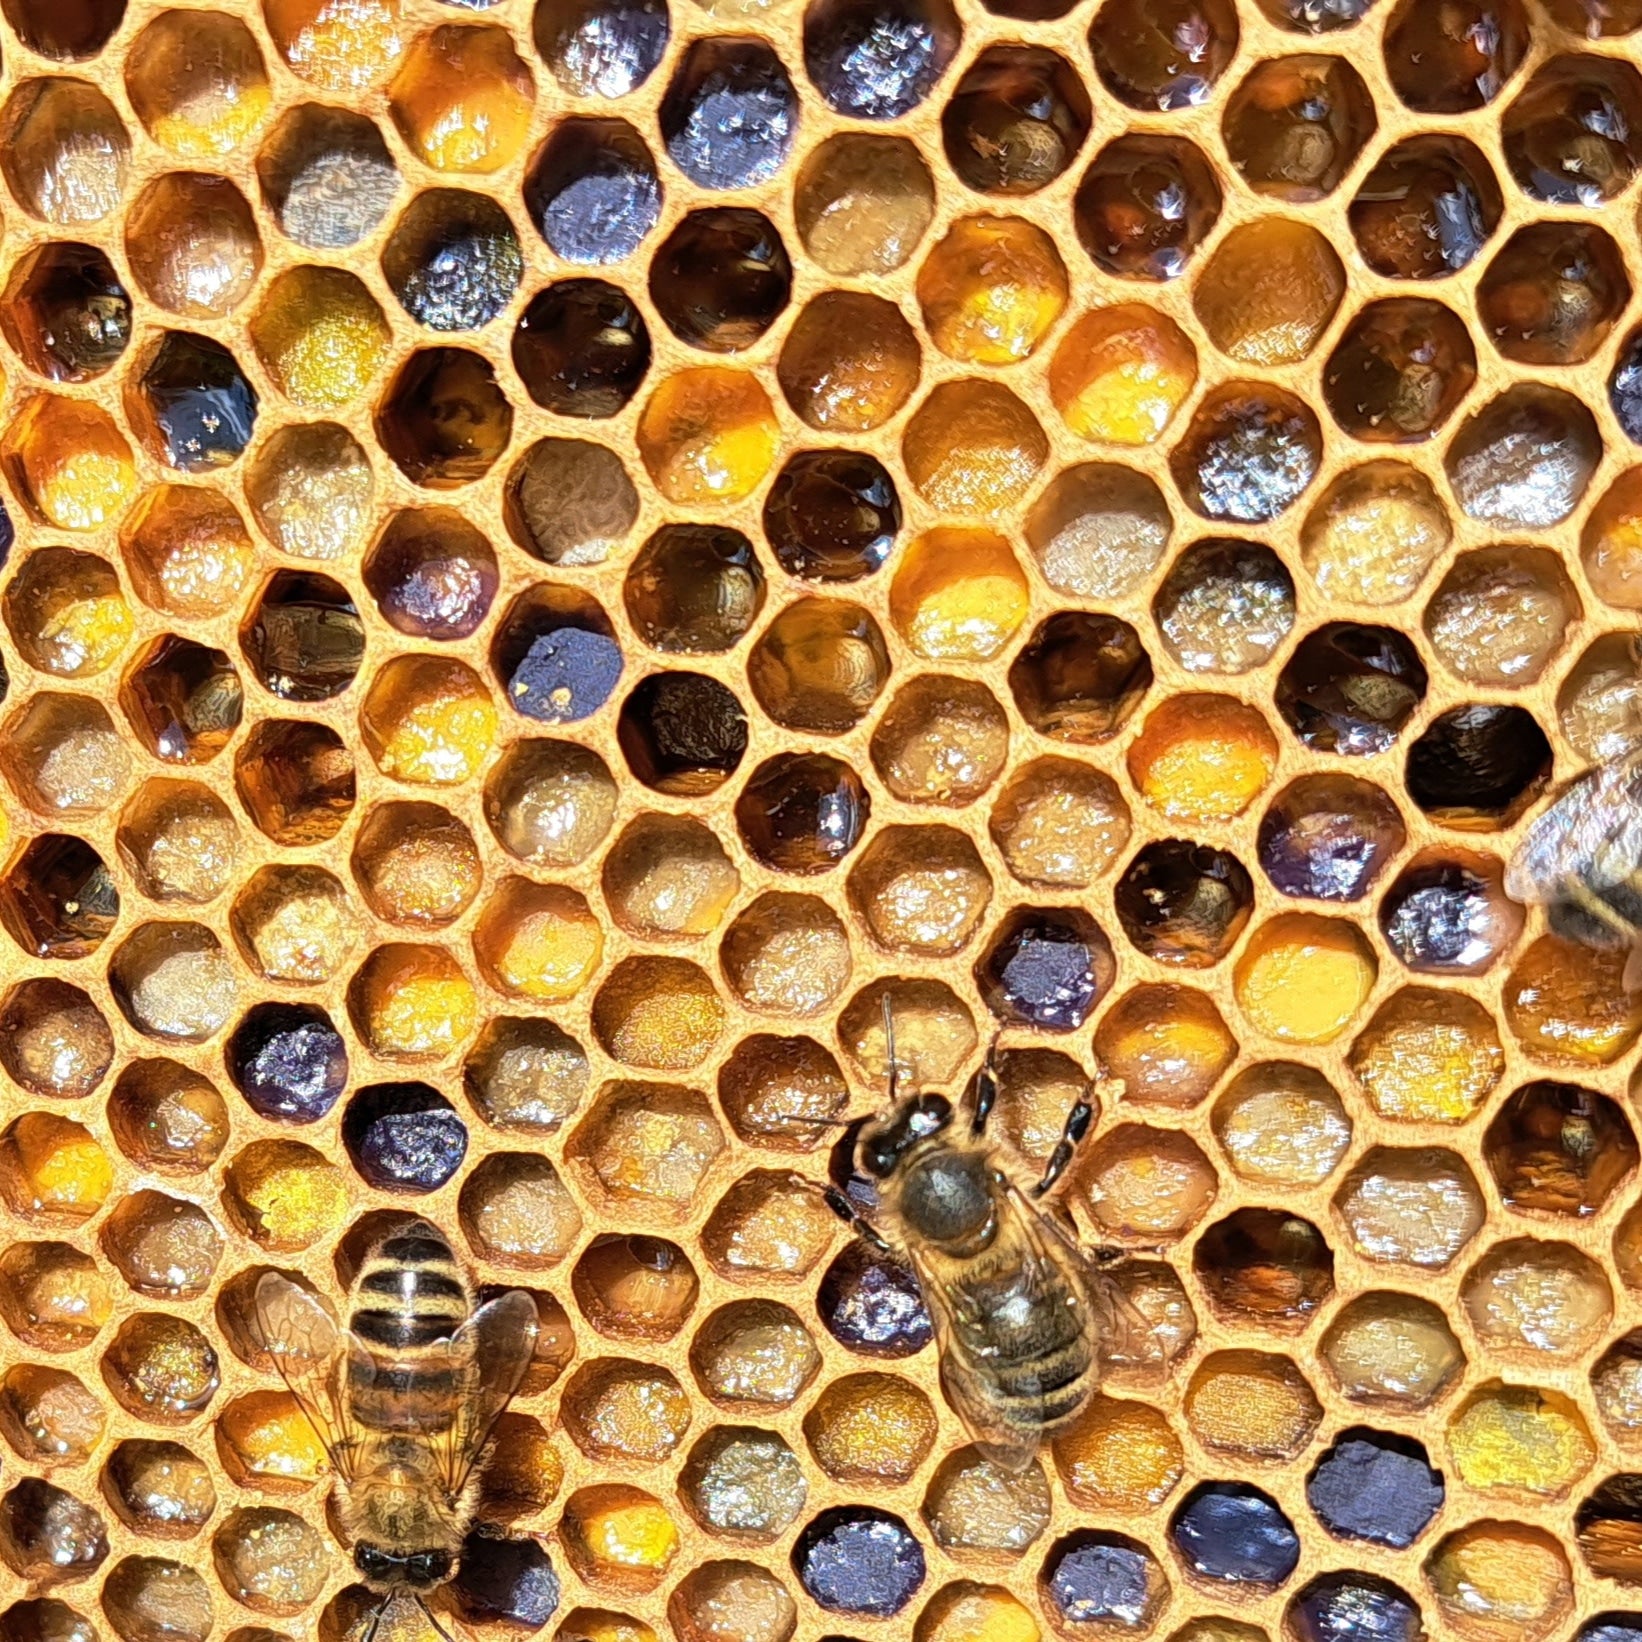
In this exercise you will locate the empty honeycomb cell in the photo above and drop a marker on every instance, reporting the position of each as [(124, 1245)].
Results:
[(1606, 1528), (58, 900), (1163, 59), (1272, 1268), (1120, 374), (832, 515), (721, 278), (1457, 58), (1551, 294), (1269, 291), (65, 312), (1400, 371), (1556, 1148), (1516, 1440), (183, 700), (1294, 126), (581, 348), (1426, 208), (1080, 676), (1119, 1456), (1392, 1350), (991, 290)]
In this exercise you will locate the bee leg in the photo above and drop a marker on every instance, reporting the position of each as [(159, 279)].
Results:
[(427, 1614), (983, 1091), (376, 1617), (1077, 1126), (846, 1211)]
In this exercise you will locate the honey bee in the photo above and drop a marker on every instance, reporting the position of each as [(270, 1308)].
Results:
[(1582, 861), (404, 1399), (1025, 1321)]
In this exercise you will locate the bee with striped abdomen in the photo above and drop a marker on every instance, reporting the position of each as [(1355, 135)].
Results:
[(1025, 1321), (404, 1399)]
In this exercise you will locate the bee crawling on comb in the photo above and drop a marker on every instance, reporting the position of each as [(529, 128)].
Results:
[(1026, 1321), (404, 1399)]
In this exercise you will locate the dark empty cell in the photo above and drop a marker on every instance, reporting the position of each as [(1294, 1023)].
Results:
[(1523, 461), (47, 1535), (1296, 125), (593, 192), (1354, 1607), (1479, 766), (1016, 120), (730, 113), (184, 700), (1233, 1532), (1447, 917), (192, 403), (304, 641), (1399, 371), (819, 666), (556, 655), (404, 1137), (872, 1304), (289, 1061), (1375, 1486), (600, 48), (67, 30), (694, 588), (1426, 209), (1449, 56), (1328, 838), (1106, 1582), (878, 59), (1556, 1148), (682, 733), (1184, 903), (857, 1560), (1316, 16), (1249, 453), (66, 313), (58, 898), (1349, 688), (832, 515), (1080, 676), (453, 260), (721, 278), (296, 781), (802, 812), (505, 1580), (327, 176), (45, 1619), (432, 574), (443, 420), (1574, 135), (1145, 205), (581, 348), (1608, 1528), (1163, 54), (1046, 967), (1265, 1265), (1553, 293)]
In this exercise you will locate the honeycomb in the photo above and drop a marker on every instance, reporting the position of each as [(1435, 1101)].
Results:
[(556, 560)]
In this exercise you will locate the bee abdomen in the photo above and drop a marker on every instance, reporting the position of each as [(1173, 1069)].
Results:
[(410, 1295), (1048, 1389)]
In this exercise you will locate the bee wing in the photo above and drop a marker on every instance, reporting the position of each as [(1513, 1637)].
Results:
[(1001, 1442), (311, 1351), (1123, 1332), (1597, 821), (489, 1354)]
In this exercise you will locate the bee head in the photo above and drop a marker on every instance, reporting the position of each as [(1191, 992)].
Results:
[(414, 1571), (916, 1118)]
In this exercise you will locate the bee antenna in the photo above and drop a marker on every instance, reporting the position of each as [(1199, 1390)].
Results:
[(427, 1614), (376, 1617), (889, 1051)]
